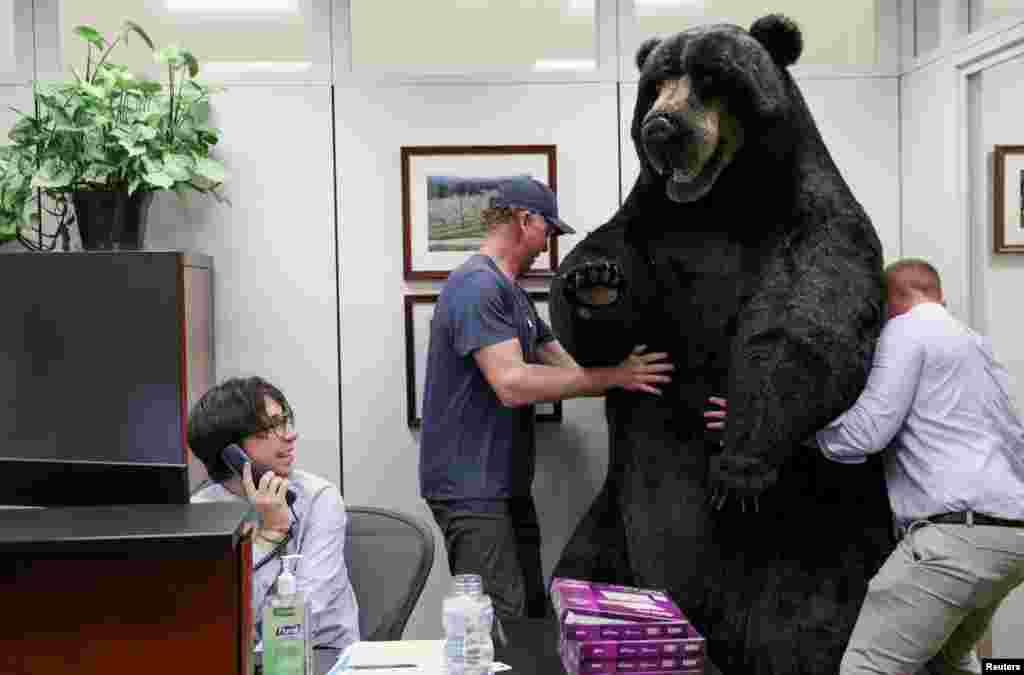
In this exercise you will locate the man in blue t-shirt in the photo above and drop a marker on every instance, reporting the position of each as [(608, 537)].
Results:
[(491, 357)]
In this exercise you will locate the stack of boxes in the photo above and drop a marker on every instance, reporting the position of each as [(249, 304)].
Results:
[(606, 629)]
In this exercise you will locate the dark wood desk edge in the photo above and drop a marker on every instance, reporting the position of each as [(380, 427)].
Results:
[(222, 525)]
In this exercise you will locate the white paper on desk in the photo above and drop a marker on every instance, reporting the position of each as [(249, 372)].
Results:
[(427, 656)]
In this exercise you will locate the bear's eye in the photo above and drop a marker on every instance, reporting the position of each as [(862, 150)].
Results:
[(706, 84)]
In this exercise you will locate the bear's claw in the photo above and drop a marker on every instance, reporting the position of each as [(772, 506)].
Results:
[(742, 478)]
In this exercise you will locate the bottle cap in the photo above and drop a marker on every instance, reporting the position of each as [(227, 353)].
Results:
[(286, 583)]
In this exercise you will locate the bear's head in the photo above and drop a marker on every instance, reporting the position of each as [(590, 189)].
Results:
[(706, 93)]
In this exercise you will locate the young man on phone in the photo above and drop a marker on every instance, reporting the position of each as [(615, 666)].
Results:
[(255, 415)]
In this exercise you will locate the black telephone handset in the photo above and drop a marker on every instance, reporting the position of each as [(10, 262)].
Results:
[(235, 457)]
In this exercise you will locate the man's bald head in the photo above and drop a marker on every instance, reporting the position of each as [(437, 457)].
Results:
[(910, 282)]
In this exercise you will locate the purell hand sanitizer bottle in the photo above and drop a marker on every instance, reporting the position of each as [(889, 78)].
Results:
[(287, 634)]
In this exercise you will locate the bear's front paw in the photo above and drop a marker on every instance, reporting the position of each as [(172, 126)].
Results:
[(594, 284), (742, 478)]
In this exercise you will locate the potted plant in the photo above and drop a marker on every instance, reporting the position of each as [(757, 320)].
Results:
[(94, 150)]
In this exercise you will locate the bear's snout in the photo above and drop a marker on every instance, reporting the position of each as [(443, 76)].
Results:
[(663, 138), (658, 130)]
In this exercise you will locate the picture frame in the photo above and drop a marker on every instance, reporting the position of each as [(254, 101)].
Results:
[(444, 189), (419, 309), (1008, 199)]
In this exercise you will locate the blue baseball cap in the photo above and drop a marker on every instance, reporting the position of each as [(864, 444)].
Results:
[(528, 193)]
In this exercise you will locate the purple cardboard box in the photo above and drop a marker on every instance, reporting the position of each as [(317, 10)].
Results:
[(609, 650), (645, 666), (590, 611), (620, 602)]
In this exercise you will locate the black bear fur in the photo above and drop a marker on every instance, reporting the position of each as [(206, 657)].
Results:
[(765, 286)]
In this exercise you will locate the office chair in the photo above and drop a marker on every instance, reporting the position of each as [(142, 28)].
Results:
[(389, 556)]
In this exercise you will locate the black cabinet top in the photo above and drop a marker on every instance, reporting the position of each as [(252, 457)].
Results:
[(138, 530), (189, 258)]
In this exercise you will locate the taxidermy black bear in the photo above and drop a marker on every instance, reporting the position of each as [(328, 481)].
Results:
[(742, 252)]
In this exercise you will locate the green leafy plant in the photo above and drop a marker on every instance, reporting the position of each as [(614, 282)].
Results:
[(108, 129)]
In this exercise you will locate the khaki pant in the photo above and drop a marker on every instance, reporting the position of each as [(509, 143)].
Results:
[(933, 599)]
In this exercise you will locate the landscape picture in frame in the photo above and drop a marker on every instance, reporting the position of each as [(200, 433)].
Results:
[(1008, 199), (419, 310), (444, 191)]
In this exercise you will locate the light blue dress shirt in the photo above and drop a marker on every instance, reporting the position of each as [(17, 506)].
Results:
[(938, 398), (321, 575)]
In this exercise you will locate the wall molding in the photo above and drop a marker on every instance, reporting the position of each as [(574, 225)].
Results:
[(991, 38)]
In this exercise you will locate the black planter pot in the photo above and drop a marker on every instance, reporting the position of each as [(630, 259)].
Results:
[(111, 220)]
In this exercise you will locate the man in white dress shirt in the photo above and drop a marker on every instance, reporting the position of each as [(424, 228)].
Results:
[(955, 474)]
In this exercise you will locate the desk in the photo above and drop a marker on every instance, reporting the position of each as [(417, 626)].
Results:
[(532, 649), (155, 589)]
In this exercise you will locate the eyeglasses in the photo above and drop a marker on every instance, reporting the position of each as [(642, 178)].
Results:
[(282, 426)]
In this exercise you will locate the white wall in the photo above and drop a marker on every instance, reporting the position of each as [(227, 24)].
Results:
[(931, 227), (275, 301), (1000, 276)]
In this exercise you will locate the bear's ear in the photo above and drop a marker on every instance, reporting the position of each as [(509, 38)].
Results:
[(780, 36), (645, 50)]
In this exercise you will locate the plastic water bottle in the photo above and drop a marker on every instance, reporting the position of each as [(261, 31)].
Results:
[(486, 641), (467, 618), (456, 614)]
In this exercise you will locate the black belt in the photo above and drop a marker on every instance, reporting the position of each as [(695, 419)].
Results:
[(972, 518)]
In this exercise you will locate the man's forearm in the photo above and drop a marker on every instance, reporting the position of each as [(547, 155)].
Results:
[(830, 442), (533, 382)]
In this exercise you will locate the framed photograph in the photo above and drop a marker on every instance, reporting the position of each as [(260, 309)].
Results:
[(445, 189), (419, 310), (1008, 199)]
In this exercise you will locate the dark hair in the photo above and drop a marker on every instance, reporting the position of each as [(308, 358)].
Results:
[(227, 413)]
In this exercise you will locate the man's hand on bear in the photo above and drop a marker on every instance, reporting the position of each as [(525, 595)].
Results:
[(645, 370), (592, 285), (716, 418), (714, 421)]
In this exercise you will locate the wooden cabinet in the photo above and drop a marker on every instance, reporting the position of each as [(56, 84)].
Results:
[(156, 589), (101, 356)]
